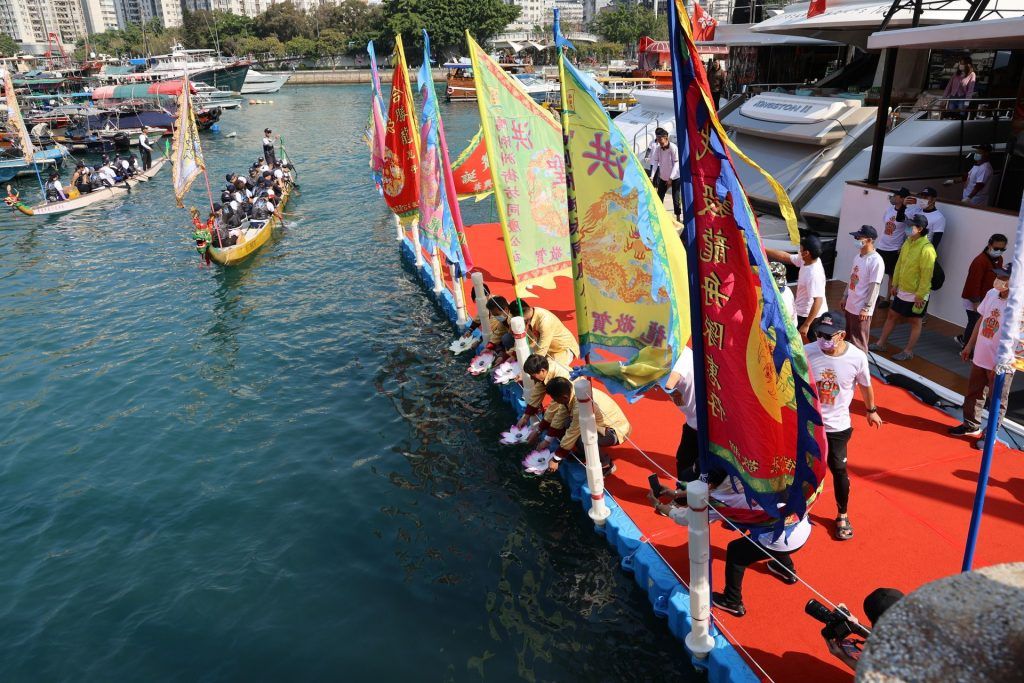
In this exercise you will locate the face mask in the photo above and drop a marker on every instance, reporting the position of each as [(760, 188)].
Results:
[(996, 252), (826, 345), (977, 157), (892, 200), (909, 232), (501, 318), (860, 243), (1001, 284)]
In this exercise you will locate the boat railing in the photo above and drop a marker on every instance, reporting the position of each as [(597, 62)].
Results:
[(749, 90), (998, 108)]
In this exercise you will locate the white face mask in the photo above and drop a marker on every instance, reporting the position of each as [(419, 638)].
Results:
[(826, 345), (861, 243), (977, 156), (1001, 284), (995, 252)]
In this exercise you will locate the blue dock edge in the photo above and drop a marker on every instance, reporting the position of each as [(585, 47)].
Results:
[(667, 595)]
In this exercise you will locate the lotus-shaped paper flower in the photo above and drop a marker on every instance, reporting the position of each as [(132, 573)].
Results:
[(463, 344), (515, 435), (506, 372), (480, 363), (536, 462)]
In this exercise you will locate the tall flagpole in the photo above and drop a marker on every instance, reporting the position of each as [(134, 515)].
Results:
[(690, 242)]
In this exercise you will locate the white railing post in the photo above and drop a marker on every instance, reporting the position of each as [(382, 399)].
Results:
[(482, 313), (398, 227), (588, 435), (416, 241), (522, 348), (435, 266), (460, 297), (699, 639)]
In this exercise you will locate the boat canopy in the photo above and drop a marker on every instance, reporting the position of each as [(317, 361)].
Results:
[(852, 21), (139, 91), (999, 34)]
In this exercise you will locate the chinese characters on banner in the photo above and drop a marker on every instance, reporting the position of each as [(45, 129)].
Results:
[(401, 147), (524, 149), (763, 419), (472, 170)]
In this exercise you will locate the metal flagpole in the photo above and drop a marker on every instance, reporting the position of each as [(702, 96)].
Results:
[(1005, 362)]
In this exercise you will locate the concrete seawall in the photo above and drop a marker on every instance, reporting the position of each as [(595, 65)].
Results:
[(341, 76)]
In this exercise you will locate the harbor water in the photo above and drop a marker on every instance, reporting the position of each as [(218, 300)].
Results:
[(277, 471)]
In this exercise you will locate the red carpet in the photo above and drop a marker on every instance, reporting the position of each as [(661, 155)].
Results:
[(912, 491)]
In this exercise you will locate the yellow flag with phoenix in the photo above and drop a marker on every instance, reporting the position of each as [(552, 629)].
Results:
[(629, 264)]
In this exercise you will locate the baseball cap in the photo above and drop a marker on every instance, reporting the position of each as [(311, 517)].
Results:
[(902, 192), (984, 147), (831, 322), (928, 192), (866, 231)]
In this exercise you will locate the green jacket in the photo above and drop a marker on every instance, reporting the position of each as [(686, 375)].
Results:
[(914, 267)]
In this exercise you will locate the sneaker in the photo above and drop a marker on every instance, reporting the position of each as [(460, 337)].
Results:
[(959, 339), (904, 355), (608, 470), (785, 576), (723, 603), (965, 430)]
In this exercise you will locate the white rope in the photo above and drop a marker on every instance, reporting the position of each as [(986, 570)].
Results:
[(760, 547), (646, 540)]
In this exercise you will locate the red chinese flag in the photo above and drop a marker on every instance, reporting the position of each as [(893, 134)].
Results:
[(815, 8), (703, 24), (472, 171), (401, 156)]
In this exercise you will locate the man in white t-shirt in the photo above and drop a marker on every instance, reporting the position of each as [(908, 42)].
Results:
[(936, 220), (894, 232), (835, 367), (679, 386), (862, 288), (146, 150), (984, 344), (665, 170), (785, 293), (979, 178), (810, 285)]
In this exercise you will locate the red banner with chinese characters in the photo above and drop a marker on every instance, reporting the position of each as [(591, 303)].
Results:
[(815, 8), (763, 419), (401, 150), (472, 170)]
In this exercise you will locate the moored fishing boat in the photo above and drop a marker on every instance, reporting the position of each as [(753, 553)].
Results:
[(81, 201)]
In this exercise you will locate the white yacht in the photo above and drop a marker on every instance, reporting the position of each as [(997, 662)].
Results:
[(258, 83), (814, 138)]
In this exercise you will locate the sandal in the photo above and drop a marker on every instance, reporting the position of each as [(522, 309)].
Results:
[(903, 355), (844, 530)]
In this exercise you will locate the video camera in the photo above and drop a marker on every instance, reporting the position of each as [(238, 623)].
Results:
[(838, 624)]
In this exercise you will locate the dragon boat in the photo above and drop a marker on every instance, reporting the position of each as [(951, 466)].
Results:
[(253, 234), (80, 201)]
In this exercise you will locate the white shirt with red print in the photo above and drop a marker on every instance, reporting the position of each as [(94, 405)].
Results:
[(835, 377)]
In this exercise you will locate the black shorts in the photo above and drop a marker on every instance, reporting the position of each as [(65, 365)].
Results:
[(889, 258), (906, 308)]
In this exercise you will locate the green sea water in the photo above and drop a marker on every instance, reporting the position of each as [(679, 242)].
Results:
[(276, 472)]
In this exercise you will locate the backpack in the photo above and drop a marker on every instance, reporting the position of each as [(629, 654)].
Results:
[(938, 277)]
